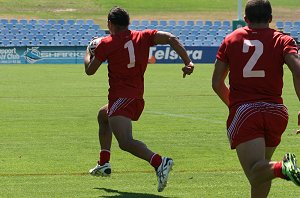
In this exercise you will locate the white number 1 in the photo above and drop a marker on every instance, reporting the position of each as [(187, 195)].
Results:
[(129, 46), (259, 48)]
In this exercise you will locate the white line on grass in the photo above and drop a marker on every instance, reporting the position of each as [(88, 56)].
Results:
[(191, 117)]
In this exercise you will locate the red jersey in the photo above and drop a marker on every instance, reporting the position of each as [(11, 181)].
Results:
[(127, 56), (255, 58)]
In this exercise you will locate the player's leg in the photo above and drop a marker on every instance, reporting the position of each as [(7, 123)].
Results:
[(265, 187), (122, 129), (121, 112), (259, 170), (276, 124), (249, 123), (268, 156), (245, 126), (105, 137)]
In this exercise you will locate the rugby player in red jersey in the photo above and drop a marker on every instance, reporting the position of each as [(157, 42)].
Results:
[(254, 56), (127, 52)]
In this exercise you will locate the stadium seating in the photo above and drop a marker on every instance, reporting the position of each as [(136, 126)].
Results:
[(42, 32), (78, 32), (188, 30), (190, 22), (199, 22), (73, 32), (290, 28)]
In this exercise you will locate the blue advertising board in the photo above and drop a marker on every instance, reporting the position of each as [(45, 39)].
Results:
[(165, 54), (75, 54), (42, 55)]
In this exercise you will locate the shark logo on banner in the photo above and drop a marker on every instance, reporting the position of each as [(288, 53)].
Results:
[(32, 54)]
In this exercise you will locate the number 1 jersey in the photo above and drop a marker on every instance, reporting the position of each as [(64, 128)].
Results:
[(255, 58), (127, 55)]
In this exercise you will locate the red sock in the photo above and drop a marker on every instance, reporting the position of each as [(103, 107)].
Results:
[(155, 160), (278, 170), (104, 157)]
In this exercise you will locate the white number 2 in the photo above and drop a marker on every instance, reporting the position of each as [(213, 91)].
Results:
[(129, 46), (259, 48)]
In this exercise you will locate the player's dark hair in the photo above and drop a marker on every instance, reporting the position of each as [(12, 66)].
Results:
[(258, 11), (119, 16)]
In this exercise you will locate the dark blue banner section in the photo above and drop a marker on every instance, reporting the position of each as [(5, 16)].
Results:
[(74, 55), (165, 54)]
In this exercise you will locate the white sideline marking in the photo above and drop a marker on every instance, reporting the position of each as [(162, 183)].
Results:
[(185, 116)]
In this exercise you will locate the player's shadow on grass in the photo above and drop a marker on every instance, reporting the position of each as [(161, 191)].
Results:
[(127, 194)]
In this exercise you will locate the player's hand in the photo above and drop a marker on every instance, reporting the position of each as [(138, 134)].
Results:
[(88, 51), (188, 69)]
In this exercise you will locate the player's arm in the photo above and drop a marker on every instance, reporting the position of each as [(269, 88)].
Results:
[(293, 62), (218, 81), (168, 38), (91, 63)]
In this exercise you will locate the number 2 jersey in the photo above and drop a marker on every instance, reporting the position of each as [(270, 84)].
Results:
[(127, 55), (255, 58)]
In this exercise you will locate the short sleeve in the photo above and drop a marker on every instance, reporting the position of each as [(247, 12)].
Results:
[(150, 35), (290, 46), (100, 52), (222, 52)]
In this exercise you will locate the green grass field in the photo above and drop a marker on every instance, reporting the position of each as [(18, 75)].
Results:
[(48, 114), (49, 136)]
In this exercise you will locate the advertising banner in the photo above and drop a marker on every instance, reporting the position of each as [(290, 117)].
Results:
[(165, 54), (42, 55), (75, 54)]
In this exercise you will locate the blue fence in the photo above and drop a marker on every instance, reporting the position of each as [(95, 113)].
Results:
[(75, 54)]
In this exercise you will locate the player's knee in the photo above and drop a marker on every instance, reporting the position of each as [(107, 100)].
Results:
[(125, 145), (253, 180), (254, 176), (102, 115)]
